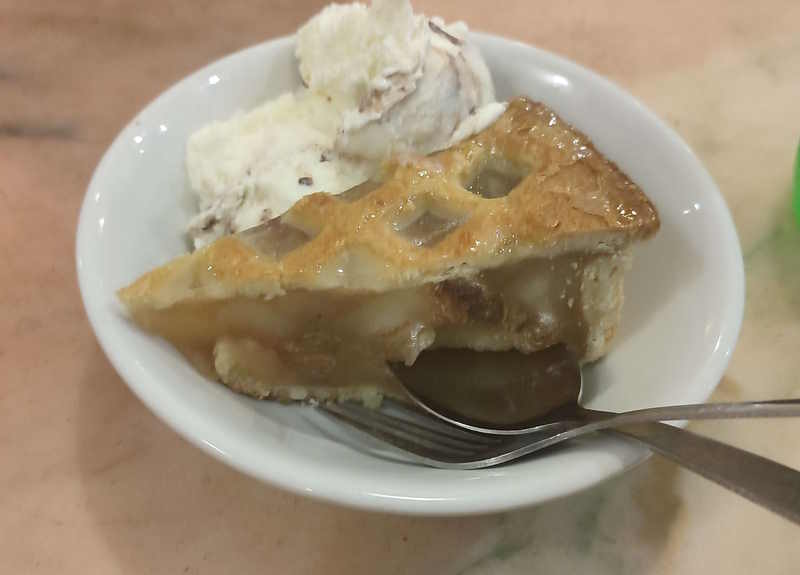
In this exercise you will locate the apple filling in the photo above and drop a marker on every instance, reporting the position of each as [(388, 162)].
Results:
[(334, 343)]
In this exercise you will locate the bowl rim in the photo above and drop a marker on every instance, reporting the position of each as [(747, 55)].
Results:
[(179, 417)]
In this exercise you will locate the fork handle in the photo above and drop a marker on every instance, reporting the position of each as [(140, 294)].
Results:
[(761, 480)]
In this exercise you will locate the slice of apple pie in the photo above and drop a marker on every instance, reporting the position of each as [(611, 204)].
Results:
[(517, 238)]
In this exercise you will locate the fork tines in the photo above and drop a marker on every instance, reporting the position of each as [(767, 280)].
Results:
[(429, 440)]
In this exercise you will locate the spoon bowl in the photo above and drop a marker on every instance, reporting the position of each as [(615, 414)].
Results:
[(498, 392)]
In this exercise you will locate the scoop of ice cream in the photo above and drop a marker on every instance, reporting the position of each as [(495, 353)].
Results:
[(405, 82), (255, 165), (453, 94), (367, 58)]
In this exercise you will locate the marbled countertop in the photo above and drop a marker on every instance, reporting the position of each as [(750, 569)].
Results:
[(92, 482)]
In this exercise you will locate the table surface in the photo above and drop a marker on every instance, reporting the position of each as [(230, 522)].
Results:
[(92, 482)]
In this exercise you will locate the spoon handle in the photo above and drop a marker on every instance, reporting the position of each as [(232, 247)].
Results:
[(774, 408), (763, 481)]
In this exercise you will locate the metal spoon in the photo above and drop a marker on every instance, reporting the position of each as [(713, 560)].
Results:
[(511, 393), (514, 393)]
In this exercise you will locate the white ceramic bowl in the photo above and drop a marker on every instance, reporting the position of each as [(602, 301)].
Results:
[(682, 312)]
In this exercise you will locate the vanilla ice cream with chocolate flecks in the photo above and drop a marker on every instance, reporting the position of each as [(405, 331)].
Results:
[(378, 79)]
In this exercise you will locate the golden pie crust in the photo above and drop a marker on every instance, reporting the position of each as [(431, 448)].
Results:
[(516, 238)]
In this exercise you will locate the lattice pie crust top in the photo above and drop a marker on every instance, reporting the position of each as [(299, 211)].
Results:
[(516, 238)]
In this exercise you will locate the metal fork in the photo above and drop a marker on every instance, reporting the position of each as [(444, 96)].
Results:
[(432, 442)]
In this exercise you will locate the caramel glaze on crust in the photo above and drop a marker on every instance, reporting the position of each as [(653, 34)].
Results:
[(564, 197)]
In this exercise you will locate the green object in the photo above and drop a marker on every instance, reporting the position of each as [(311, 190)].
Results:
[(796, 197)]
